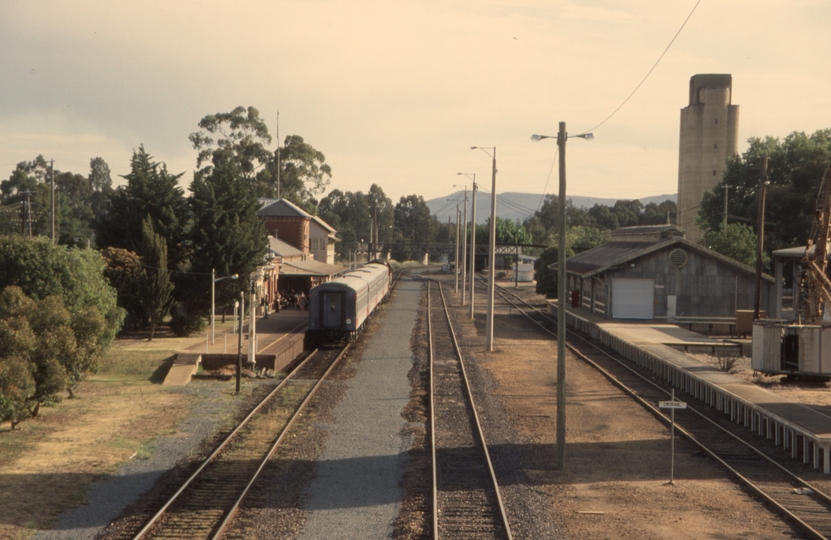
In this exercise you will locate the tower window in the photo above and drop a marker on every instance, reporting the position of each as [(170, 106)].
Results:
[(714, 173), (715, 145), (716, 120)]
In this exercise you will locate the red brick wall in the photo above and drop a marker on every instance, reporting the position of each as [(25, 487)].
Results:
[(293, 231)]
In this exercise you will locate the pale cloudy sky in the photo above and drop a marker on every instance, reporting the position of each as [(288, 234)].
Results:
[(394, 92)]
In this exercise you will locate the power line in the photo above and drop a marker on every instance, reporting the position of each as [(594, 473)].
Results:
[(648, 73), (550, 171), (650, 70)]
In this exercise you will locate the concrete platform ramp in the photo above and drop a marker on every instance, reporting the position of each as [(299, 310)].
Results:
[(183, 368)]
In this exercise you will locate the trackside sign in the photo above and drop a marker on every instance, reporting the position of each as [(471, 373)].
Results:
[(672, 404)]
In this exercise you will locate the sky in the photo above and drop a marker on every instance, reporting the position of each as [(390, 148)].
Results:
[(395, 92)]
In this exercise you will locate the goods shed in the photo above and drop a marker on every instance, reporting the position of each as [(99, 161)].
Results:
[(653, 272)]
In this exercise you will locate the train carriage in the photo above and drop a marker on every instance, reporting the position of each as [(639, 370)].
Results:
[(338, 309)]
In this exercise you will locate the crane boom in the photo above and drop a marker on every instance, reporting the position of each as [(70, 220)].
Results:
[(815, 265)]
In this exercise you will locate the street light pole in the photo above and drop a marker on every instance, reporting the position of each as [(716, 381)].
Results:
[(491, 251), (562, 136), (239, 340), (213, 304), (472, 265), (254, 277), (561, 304), (456, 257), (464, 248)]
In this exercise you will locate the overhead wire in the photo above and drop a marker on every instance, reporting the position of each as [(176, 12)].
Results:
[(648, 73), (619, 107)]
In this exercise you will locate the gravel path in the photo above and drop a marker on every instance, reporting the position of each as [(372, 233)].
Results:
[(108, 498), (357, 491)]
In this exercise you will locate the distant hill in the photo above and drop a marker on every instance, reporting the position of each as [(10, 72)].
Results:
[(517, 206)]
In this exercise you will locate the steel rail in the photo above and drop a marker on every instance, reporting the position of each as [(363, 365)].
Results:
[(432, 416), (215, 453), (232, 512), (479, 431), (222, 445), (660, 415)]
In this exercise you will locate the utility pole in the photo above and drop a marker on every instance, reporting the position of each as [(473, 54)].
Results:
[(516, 263), (26, 213), (491, 260), (760, 236), (472, 246), (464, 250), (456, 257), (278, 153), (52, 199), (239, 338), (725, 187), (561, 304)]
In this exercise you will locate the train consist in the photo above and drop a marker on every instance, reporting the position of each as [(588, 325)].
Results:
[(338, 309)]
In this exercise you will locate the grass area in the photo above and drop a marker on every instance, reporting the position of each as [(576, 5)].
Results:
[(46, 466)]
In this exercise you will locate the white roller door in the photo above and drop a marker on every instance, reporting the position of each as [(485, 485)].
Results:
[(633, 298)]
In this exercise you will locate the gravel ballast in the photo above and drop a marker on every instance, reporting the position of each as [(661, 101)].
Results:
[(357, 492)]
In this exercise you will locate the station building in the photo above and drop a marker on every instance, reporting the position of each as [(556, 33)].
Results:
[(298, 228), (301, 248), (653, 272)]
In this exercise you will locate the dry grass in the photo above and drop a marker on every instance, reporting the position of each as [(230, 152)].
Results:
[(47, 465)]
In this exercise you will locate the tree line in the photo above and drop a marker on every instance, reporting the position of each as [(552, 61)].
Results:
[(155, 248), (796, 167)]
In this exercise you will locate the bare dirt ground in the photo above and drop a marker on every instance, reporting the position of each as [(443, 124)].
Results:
[(617, 456), (47, 466), (615, 484)]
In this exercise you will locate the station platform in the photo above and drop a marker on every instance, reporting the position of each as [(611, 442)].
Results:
[(654, 346), (280, 336)]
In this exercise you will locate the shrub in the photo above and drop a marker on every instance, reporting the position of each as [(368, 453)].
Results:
[(727, 363), (185, 325)]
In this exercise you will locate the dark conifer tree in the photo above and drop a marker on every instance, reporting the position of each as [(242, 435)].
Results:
[(150, 191), (228, 235)]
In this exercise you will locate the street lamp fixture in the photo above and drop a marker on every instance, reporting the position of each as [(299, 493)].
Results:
[(588, 136), (561, 137), (491, 249), (214, 280)]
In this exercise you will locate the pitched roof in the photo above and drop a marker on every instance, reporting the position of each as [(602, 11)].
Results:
[(613, 254), (284, 208), (281, 208), (323, 224), (645, 233), (278, 248), (310, 267)]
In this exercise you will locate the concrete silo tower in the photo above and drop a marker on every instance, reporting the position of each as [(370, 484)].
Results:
[(709, 135)]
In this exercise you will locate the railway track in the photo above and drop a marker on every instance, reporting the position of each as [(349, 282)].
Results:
[(205, 504), (466, 498), (803, 506)]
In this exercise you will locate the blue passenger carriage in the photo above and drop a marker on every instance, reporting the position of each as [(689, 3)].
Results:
[(338, 309)]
